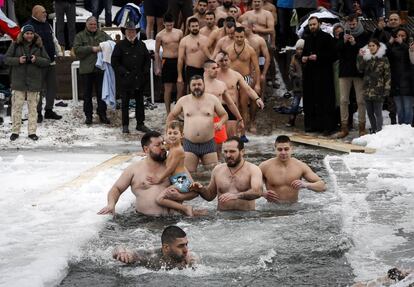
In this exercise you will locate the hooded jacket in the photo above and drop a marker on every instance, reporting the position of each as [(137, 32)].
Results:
[(27, 76), (376, 69)]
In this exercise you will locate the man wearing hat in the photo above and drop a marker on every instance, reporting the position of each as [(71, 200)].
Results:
[(86, 47), (131, 62)]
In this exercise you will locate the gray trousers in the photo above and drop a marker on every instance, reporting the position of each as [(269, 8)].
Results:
[(374, 111), (48, 88), (62, 8)]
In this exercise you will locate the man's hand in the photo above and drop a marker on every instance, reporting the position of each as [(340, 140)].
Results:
[(304, 59), (262, 77), (257, 88), (362, 52), (96, 49), (271, 196), (298, 184), (109, 209), (196, 187), (123, 255), (218, 126), (240, 125), (227, 196), (153, 179), (33, 58), (399, 40), (22, 59), (259, 103), (352, 40), (313, 57), (173, 194)]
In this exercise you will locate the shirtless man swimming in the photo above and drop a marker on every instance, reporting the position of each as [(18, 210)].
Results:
[(283, 175), (135, 177), (210, 24), (234, 82), (173, 253), (219, 89), (237, 183), (199, 110), (169, 39), (243, 59), (192, 52)]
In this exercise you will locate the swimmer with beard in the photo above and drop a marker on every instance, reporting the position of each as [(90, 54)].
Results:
[(199, 109), (135, 176)]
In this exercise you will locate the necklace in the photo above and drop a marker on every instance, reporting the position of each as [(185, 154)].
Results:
[(238, 53), (233, 174)]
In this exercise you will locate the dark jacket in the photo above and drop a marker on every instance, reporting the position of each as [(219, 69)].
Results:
[(295, 73), (131, 62), (376, 69), (399, 58), (45, 31), (27, 76), (82, 45), (348, 53)]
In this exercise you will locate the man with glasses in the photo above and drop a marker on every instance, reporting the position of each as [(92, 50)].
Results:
[(283, 175)]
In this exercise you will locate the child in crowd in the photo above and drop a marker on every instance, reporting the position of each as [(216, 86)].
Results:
[(295, 75), (377, 80), (178, 175)]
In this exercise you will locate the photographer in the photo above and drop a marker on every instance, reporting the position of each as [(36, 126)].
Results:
[(26, 57)]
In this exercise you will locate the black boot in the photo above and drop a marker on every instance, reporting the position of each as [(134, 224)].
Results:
[(104, 119), (142, 128), (88, 120), (39, 118), (33, 137), (14, 137), (125, 130), (50, 114)]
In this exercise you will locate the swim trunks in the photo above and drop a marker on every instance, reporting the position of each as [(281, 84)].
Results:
[(262, 61), (181, 181), (248, 79), (199, 149), (155, 8), (220, 136), (169, 72), (192, 71), (232, 117)]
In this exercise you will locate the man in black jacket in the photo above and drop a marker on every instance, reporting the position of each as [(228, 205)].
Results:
[(353, 39), (131, 62), (45, 31)]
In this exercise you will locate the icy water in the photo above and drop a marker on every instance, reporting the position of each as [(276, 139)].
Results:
[(277, 245)]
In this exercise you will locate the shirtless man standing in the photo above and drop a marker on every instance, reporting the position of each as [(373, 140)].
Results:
[(173, 253), (169, 40), (216, 35), (234, 82), (199, 109), (193, 52), (283, 175), (212, 7), (135, 177), (226, 41), (243, 59), (200, 14), (227, 4), (237, 182), (219, 88), (210, 24)]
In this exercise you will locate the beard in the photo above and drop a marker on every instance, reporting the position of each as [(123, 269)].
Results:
[(194, 32), (197, 93), (233, 163), (158, 157)]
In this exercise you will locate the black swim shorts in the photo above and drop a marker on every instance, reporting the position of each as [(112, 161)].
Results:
[(192, 71), (155, 8), (232, 117), (169, 72), (199, 149)]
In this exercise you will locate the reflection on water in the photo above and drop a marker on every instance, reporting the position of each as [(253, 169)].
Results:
[(277, 245)]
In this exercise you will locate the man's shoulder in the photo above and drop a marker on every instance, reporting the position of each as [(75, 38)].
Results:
[(266, 164)]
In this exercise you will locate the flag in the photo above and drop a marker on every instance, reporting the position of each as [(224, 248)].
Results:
[(8, 27)]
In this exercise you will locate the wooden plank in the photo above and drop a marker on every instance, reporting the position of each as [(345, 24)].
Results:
[(330, 144), (87, 175)]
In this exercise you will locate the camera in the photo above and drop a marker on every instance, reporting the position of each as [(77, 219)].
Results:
[(347, 32), (28, 59)]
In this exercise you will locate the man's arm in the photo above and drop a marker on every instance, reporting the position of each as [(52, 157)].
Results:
[(158, 60), (232, 106), (270, 24), (117, 189), (265, 52), (180, 61), (174, 158), (218, 48), (314, 182), (255, 63), (176, 111), (140, 257), (221, 113), (250, 92), (210, 192), (256, 183)]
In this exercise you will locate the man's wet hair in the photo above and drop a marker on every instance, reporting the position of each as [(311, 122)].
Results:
[(239, 29), (314, 17), (192, 20), (224, 53), (220, 22), (168, 18), (230, 19), (396, 274), (195, 78), (209, 62), (211, 13), (282, 139), (174, 125), (171, 233), (240, 143), (146, 139)]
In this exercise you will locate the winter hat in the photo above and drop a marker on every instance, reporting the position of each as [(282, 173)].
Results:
[(27, 28), (300, 44), (130, 25)]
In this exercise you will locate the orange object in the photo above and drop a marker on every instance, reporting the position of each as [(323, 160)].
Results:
[(220, 136)]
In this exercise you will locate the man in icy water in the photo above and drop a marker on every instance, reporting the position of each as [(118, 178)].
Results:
[(135, 176), (173, 253), (283, 175), (237, 183)]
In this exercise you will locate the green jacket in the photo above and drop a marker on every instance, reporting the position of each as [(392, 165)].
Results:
[(27, 76), (84, 41), (377, 75)]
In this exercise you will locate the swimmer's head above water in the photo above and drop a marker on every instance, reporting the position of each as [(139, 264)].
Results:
[(283, 148), (396, 274), (174, 243), (153, 146)]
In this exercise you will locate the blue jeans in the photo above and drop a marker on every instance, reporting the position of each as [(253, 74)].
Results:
[(98, 6), (404, 106)]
